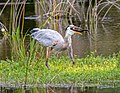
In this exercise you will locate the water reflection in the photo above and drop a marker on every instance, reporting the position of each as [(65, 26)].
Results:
[(105, 41), (60, 90)]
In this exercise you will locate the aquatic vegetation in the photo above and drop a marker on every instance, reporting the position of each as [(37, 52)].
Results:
[(88, 69)]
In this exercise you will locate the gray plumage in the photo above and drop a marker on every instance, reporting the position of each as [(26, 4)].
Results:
[(48, 38)]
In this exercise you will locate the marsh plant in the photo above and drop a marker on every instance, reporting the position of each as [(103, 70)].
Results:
[(86, 11)]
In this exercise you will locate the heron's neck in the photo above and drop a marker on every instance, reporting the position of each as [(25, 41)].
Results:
[(68, 40)]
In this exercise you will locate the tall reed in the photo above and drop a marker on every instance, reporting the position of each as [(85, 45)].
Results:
[(22, 53)]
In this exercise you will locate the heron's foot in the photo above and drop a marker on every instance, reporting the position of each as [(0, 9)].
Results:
[(73, 62), (47, 65)]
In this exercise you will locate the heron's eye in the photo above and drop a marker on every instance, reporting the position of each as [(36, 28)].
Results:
[(72, 28)]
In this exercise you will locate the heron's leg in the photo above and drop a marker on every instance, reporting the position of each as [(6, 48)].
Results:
[(47, 56), (71, 54)]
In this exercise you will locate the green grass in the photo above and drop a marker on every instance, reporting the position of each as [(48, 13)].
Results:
[(88, 69)]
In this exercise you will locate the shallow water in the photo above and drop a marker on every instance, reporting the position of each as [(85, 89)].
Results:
[(60, 90), (105, 41)]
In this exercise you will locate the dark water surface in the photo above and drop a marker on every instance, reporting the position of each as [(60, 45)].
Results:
[(61, 90), (105, 41)]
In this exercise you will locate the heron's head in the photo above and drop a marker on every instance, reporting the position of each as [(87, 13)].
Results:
[(71, 29)]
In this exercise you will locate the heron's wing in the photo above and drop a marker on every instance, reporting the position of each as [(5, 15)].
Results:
[(47, 37)]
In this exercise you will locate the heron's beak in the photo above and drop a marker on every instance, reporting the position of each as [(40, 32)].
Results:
[(78, 30)]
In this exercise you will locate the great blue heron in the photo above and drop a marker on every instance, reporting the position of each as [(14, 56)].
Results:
[(54, 41)]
